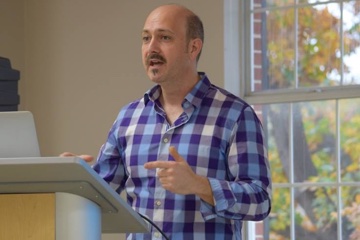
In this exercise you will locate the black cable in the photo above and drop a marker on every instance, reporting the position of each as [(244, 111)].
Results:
[(154, 225)]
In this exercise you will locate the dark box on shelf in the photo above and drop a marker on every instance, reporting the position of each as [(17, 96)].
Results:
[(9, 78)]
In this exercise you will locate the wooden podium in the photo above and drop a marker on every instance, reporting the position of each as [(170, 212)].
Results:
[(60, 198)]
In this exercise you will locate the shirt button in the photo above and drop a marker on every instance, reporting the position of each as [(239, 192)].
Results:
[(166, 140), (158, 203), (157, 234)]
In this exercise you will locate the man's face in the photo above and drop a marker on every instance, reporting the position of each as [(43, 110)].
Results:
[(164, 45)]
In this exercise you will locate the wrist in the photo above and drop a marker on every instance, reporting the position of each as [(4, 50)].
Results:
[(202, 189)]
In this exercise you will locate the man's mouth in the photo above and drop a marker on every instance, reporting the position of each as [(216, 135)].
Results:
[(155, 60), (155, 63)]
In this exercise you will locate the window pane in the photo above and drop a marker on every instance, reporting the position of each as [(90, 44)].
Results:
[(276, 124), (280, 216), (316, 213), (350, 139), (313, 135), (351, 26), (319, 60), (274, 50), (315, 128), (351, 213), (307, 44)]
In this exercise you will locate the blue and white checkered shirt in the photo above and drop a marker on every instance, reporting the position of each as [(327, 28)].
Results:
[(220, 137)]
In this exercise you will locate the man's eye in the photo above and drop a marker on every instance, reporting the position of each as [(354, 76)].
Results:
[(166, 37), (145, 38)]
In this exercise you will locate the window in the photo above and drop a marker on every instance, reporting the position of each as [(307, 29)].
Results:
[(298, 62)]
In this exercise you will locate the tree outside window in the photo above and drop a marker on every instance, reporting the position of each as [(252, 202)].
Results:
[(304, 80)]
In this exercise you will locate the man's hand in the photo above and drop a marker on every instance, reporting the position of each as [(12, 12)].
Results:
[(87, 158), (178, 177)]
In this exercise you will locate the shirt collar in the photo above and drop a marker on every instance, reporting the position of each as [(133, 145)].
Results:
[(194, 96)]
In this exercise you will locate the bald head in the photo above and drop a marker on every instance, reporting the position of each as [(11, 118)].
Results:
[(192, 24)]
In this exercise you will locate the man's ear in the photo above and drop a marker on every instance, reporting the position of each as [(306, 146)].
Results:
[(195, 47)]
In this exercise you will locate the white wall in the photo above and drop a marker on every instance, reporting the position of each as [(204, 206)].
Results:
[(80, 62)]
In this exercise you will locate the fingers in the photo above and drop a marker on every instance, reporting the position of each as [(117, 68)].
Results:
[(85, 157), (174, 153), (157, 164), (165, 164), (67, 154)]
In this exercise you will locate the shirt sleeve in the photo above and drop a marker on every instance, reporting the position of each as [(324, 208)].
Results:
[(247, 195), (109, 164)]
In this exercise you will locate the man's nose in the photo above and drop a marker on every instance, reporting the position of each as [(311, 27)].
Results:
[(153, 46)]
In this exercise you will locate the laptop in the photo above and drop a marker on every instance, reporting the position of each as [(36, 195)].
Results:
[(18, 136)]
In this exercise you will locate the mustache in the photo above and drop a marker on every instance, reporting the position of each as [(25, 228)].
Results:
[(155, 56)]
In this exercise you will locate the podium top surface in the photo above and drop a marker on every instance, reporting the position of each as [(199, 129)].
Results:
[(70, 175)]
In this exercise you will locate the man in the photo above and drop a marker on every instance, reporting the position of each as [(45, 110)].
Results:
[(190, 155)]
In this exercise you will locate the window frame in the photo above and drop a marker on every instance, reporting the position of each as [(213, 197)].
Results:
[(238, 62), (238, 39)]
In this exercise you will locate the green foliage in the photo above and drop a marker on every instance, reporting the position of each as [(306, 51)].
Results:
[(281, 202), (318, 46), (322, 207), (318, 54)]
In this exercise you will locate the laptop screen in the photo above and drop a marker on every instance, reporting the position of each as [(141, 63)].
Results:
[(18, 136)]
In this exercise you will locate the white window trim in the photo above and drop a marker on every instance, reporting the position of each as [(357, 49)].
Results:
[(232, 62), (233, 74)]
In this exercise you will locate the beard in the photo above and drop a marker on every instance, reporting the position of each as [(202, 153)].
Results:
[(155, 71)]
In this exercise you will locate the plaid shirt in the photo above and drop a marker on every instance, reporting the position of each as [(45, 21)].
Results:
[(220, 137)]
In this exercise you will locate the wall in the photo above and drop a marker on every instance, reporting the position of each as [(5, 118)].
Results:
[(83, 62), (80, 62), (12, 39)]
